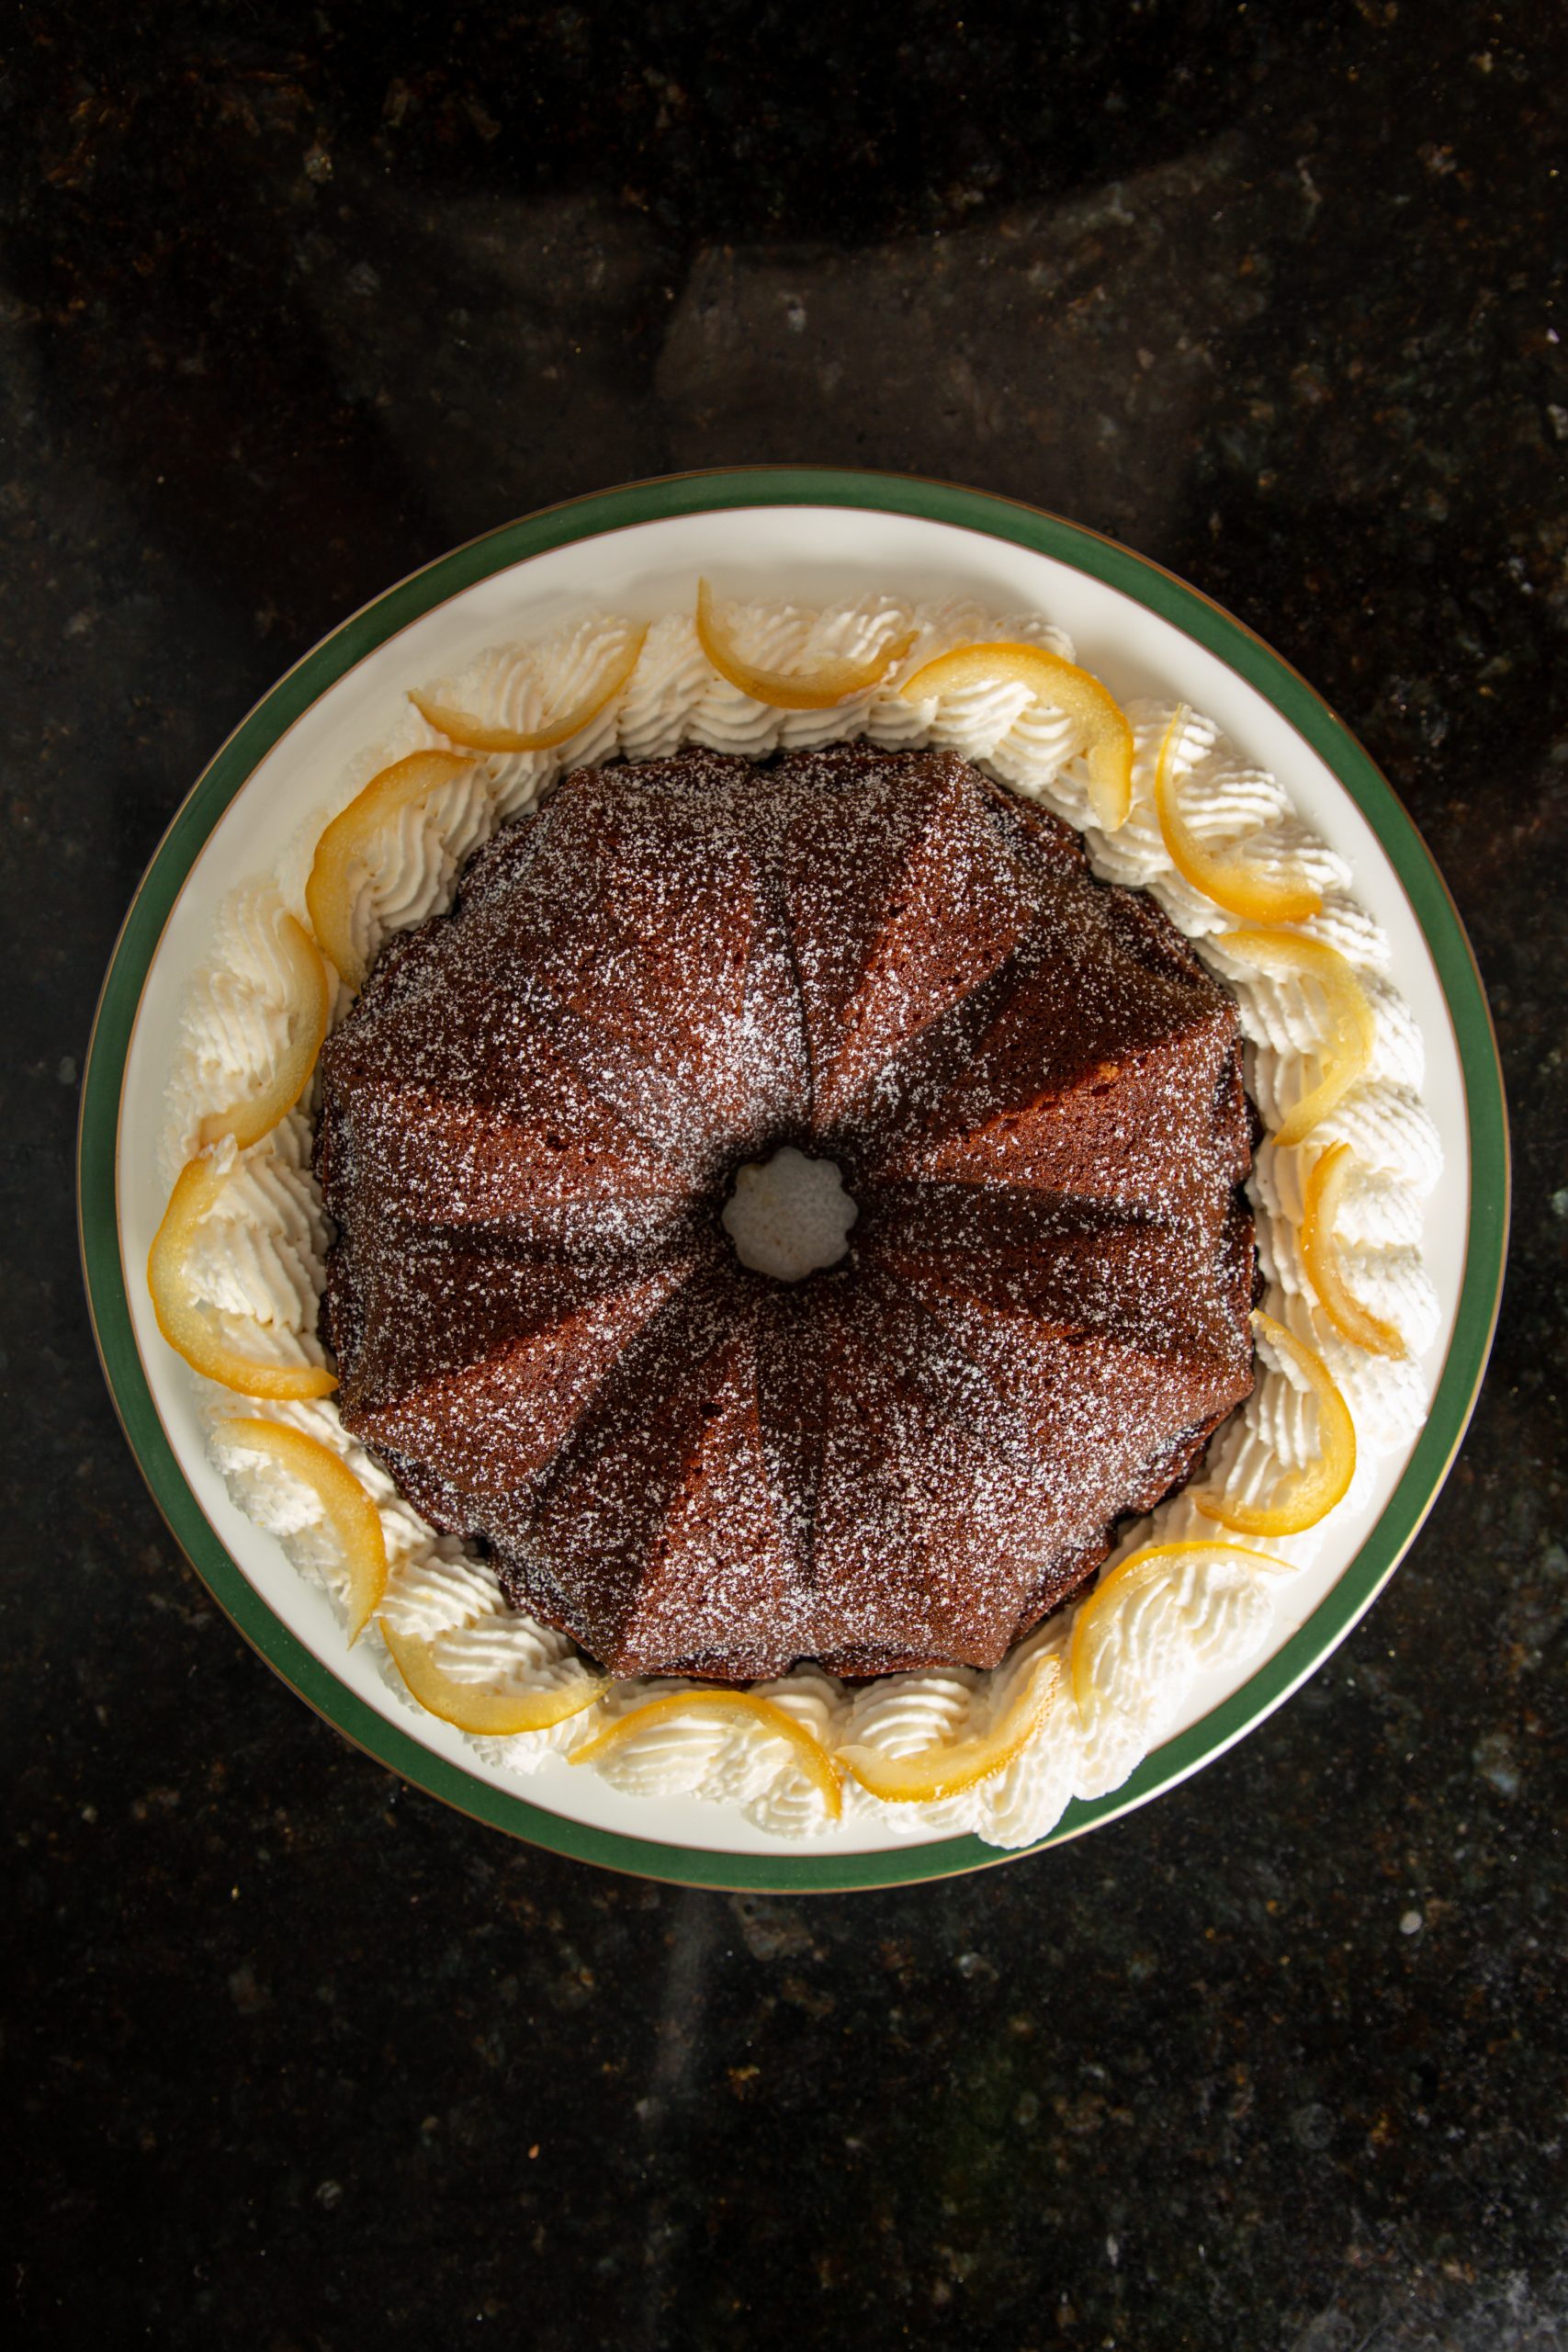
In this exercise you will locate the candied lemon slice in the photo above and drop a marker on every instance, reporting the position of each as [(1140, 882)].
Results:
[(1230, 882), (1108, 739), (948, 1769), (462, 727), (353, 1519), (1309, 1494), (247, 1122), (190, 1329), (1320, 1254), (495, 1714), (330, 893), (1284, 954), (1142, 1569), (728, 1706), (830, 682)]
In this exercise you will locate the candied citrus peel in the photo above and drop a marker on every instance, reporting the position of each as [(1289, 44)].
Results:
[(726, 1706), (495, 1714), (1108, 739), (1230, 882), (830, 682), (1320, 1254), (948, 1769), (1308, 1494), (188, 1327), (309, 1010), (352, 1516), (1134, 1574), (1284, 954), (474, 735), (330, 892)]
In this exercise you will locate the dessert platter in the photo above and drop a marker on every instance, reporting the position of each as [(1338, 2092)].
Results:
[(793, 1180)]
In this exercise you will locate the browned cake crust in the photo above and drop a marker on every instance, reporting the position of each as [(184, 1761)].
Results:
[(530, 1123)]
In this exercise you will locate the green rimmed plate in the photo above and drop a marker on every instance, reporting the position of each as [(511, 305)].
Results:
[(638, 549)]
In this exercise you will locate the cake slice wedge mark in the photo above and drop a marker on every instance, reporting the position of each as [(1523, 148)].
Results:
[(1137, 1117), (1087, 1008), (483, 1368), (1016, 859), (793, 1405), (656, 949), (658, 1519), (839, 852), (1048, 1314), (950, 915), (912, 1470), (422, 1158), (1171, 1287), (928, 1355)]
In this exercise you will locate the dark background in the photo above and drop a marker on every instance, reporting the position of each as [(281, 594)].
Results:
[(294, 298)]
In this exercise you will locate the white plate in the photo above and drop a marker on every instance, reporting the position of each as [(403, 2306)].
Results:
[(812, 538)]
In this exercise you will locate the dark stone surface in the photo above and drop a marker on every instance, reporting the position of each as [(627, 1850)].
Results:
[(294, 298)]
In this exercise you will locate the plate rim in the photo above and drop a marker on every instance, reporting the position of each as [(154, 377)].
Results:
[(658, 499)]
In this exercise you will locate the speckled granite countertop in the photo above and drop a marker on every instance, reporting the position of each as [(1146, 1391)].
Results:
[(295, 2060)]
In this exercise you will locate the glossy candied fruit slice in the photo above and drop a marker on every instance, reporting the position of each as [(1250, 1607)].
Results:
[(474, 735), (1241, 889), (355, 1522), (494, 1714), (950, 1767), (1287, 955), (1107, 738), (830, 682), (1320, 1256), (189, 1329), (1150, 1566), (733, 1707), (309, 1011), (330, 892), (1309, 1494)]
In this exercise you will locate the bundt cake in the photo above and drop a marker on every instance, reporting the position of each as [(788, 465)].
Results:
[(531, 1125)]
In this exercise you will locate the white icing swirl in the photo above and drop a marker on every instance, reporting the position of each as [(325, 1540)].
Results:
[(260, 1262), (1203, 1613)]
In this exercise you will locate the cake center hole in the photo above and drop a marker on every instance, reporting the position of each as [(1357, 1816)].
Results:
[(789, 1216)]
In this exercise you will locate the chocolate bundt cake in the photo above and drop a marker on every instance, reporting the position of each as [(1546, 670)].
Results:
[(531, 1125)]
